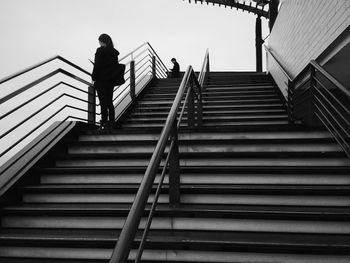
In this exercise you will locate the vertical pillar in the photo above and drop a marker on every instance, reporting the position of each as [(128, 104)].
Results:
[(190, 107), (174, 169), (154, 66), (91, 105), (199, 109), (290, 102), (258, 44), (273, 11), (312, 119), (132, 79)]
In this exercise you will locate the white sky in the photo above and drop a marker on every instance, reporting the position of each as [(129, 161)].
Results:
[(34, 30)]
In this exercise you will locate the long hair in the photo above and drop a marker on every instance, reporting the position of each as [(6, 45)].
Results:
[(104, 38)]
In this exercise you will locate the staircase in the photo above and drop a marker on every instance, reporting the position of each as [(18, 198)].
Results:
[(253, 187)]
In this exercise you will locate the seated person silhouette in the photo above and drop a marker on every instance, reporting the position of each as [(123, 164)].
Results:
[(175, 72)]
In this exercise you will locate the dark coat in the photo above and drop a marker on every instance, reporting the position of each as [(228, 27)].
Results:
[(106, 59), (175, 72)]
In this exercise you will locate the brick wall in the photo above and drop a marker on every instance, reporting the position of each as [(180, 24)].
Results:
[(305, 28)]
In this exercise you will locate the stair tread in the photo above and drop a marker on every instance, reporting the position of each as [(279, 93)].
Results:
[(212, 210), (219, 135), (215, 188), (198, 169), (193, 237)]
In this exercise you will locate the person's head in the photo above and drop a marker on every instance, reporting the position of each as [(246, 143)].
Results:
[(105, 40), (173, 60)]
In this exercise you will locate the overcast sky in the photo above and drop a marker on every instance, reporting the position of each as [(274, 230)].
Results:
[(33, 30)]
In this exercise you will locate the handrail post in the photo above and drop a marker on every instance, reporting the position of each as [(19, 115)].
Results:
[(154, 66), (91, 118), (174, 169), (199, 108), (132, 79), (311, 115), (290, 102), (190, 107), (207, 73)]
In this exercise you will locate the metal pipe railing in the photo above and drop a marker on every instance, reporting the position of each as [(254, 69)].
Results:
[(312, 101), (169, 134), (203, 75), (127, 235), (142, 68)]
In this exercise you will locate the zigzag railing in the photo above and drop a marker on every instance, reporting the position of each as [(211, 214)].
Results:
[(64, 94), (321, 98), (316, 98)]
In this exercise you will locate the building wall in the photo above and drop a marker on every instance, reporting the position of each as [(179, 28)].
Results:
[(304, 30)]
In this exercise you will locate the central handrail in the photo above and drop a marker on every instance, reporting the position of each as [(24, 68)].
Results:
[(169, 134), (205, 69), (127, 235)]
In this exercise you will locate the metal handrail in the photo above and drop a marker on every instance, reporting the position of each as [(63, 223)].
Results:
[(334, 81), (17, 74), (338, 123), (205, 69), (150, 48), (168, 134), (126, 237), (285, 72), (141, 68)]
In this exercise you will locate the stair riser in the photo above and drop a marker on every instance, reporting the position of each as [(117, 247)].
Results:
[(210, 148), (166, 108), (172, 94), (228, 162), (210, 97), (214, 199), (193, 224), (239, 101), (208, 119), (254, 179), (167, 255), (230, 124), (213, 136), (209, 114)]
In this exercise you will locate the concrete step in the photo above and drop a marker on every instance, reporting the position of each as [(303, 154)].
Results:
[(164, 210), (153, 119), (205, 147), (226, 87), (91, 255), (143, 160), (214, 97), (231, 125), (258, 106), (91, 177), (114, 222), (209, 113), (237, 136), (187, 199), (162, 93)]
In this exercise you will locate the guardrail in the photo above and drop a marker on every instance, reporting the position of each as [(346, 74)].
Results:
[(315, 97), (193, 100), (62, 95), (322, 98)]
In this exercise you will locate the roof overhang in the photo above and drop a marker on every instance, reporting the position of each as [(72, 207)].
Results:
[(255, 6)]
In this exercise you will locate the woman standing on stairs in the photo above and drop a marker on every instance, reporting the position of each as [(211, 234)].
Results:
[(106, 59)]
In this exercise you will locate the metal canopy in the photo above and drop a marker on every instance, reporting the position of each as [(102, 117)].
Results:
[(254, 6)]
